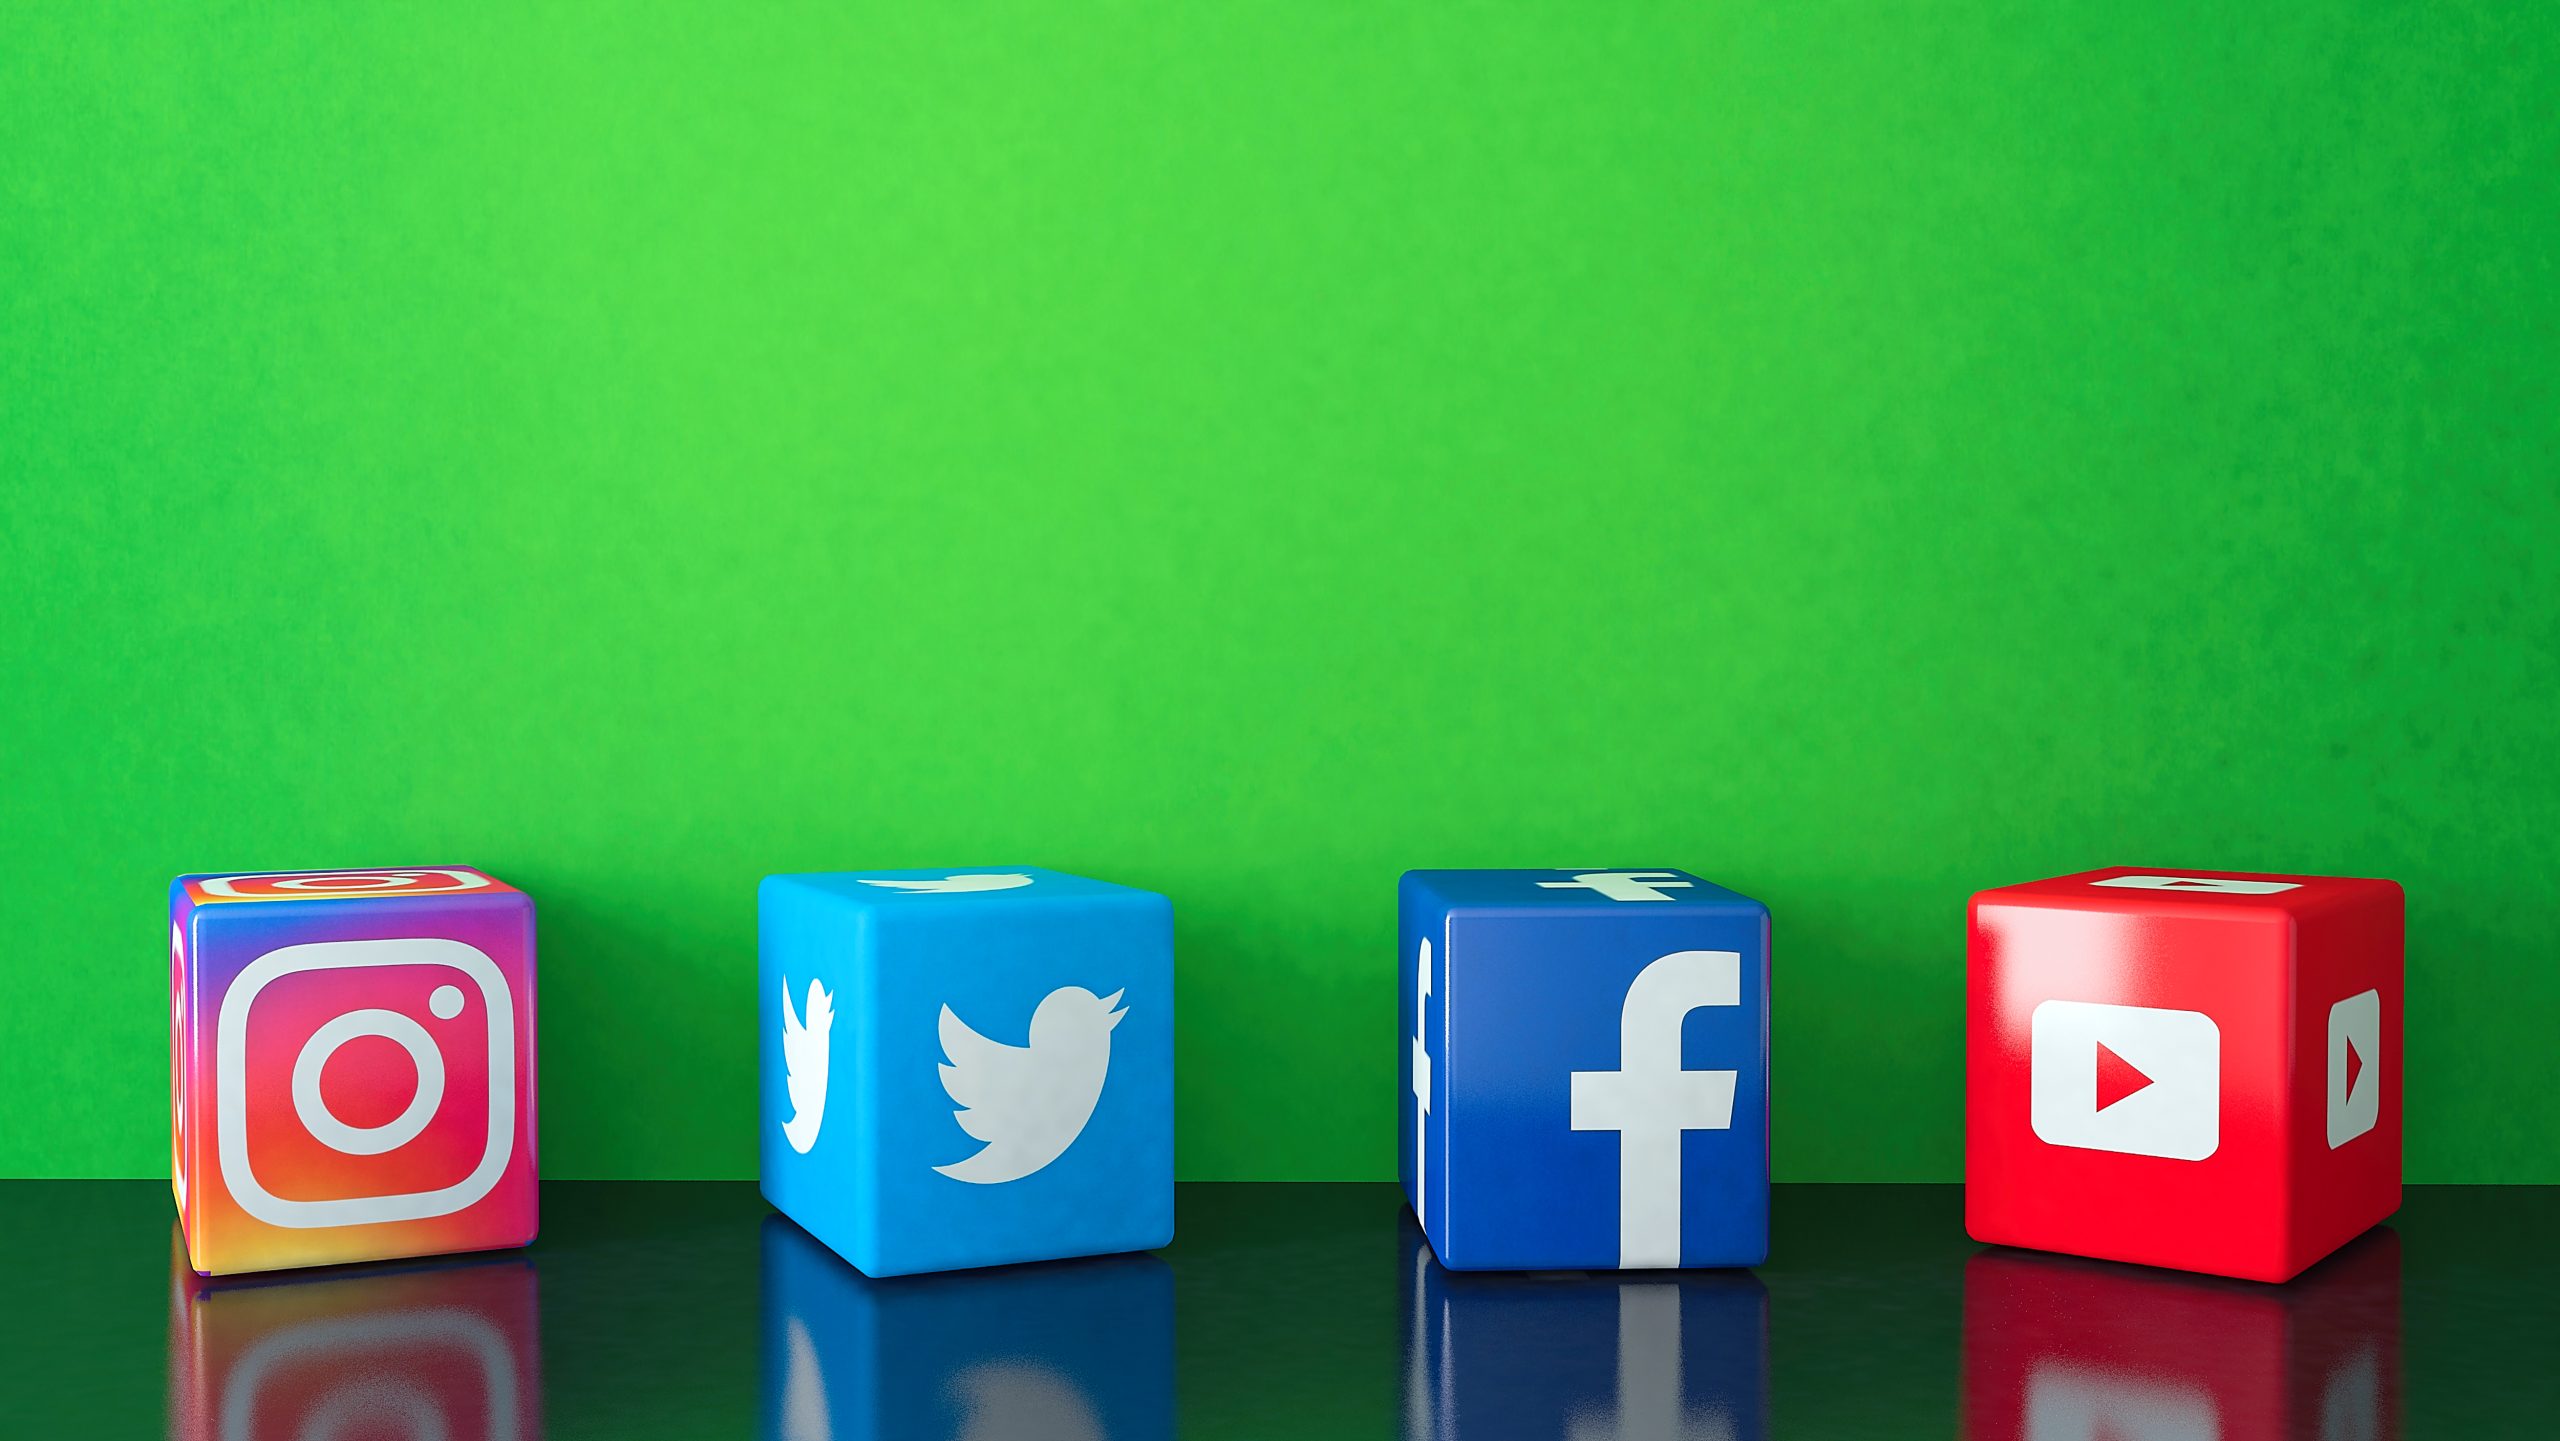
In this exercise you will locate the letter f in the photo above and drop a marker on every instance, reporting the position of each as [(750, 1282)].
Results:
[(1649, 1100)]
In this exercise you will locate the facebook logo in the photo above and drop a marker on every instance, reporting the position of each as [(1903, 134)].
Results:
[(1586, 1080)]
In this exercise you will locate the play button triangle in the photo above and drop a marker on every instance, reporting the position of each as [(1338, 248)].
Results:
[(2355, 1066), (2118, 1077)]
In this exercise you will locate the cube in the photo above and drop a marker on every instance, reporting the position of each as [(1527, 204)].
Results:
[(2192, 1069), (448, 1349), (1586, 1077), (1080, 1348), (2055, 1347), (967, 1068), (1583, 1355), (351, 1066)]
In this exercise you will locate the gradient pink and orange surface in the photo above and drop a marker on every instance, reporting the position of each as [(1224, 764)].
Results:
[(352, 1066)]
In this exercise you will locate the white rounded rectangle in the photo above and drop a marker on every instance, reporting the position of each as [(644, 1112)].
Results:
[(2355, 1067), (231, 1063), (2200, 885), (2136, 1080)]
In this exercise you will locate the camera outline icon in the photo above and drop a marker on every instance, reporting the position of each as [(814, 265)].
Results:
[(231, 1121), (407, 1331), (313, 885)]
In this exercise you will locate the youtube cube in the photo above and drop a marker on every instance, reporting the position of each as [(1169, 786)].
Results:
[(351, 1066), (1581, 1356), (2193, 1069), (1586, 1077), (1070, 1350), (966, 1068), (2066, 1350)]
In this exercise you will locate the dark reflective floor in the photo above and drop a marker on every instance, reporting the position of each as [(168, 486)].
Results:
[(689, 1310)]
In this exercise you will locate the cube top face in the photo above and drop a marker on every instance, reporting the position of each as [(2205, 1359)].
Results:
[(2059, 1347), (2205, 1079), (892, 893), (1079, 1348), (399, 883), (967, 1078), (352, 1078), (2155, 890), (1568, 888), (1585, 1080)]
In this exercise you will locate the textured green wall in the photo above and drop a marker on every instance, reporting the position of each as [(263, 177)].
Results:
[(1862, 452)]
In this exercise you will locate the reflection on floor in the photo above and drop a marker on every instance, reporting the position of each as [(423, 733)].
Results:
[(1282, 1311)]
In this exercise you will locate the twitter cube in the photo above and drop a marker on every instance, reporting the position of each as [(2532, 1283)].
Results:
[(966, 1068), (1586, 1067)]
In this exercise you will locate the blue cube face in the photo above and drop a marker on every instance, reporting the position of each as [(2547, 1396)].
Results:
[(1582, 1355), (967, 1068), (1586, 1069), (1074, 1348)]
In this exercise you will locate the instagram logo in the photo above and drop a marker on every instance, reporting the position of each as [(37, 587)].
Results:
[(354, 1081), (387, 970)]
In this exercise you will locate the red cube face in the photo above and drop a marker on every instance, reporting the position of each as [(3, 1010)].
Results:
[(2191, 1069), (2062, 1350)]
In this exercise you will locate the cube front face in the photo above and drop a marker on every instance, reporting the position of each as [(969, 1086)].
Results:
[(1585, 1069), (1081, 1348), (967, 1068), (352, 1071), (2148, 1067)]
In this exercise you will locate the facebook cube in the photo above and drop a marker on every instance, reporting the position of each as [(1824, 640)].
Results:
[(966, 1068), (1587, 1069)]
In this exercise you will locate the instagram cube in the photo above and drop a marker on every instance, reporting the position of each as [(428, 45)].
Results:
[(351, 1063), (1079, 1349), (2057, 1347), (1586, 1068), (441, 1349), (966, 1068), (2192, 1069)]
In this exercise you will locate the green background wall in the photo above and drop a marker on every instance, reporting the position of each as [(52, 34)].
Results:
[(1861, 452)]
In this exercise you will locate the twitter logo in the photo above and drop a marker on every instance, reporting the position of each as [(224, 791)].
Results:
[(1028, 1103), (804, 1062)]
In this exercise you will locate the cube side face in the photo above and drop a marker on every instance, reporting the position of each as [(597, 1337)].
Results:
[(357, 1075), (1020, 1060), (1422, 928), (1604, 1082), (2349, 999), (183, 1087), (817, 1133), (2128, 1084)]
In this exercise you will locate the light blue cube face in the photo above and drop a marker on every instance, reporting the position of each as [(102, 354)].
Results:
[(966, 1067), (1078, 1349), (1586, 1069)]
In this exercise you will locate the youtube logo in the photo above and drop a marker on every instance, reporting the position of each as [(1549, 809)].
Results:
[(2355, 1069), (2131, 1079)]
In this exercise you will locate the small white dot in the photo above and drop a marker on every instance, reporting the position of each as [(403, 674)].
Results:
[(446, 1002)]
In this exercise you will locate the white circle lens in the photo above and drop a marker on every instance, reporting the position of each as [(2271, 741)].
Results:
[(314, 1110), (445, 1002), (345, 883)]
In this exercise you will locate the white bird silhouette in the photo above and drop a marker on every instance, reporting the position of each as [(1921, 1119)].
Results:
[(1028, 1103), (953, 885), (804, 1064)]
